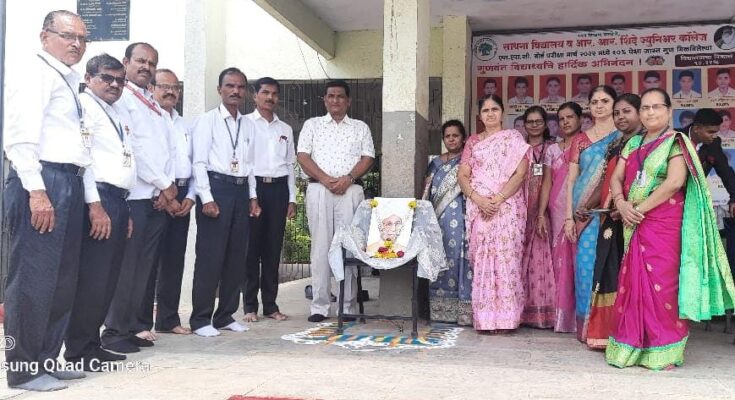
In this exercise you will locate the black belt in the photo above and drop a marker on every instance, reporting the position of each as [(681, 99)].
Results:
[(114, 190), (356, 182), (237, 180), (180, 182), (268, 179), (71, 168)]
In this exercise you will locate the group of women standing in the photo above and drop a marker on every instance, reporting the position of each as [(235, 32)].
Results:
[(583, 233)]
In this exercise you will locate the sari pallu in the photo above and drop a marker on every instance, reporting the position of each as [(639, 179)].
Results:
[(450, 295), (562, 251), (591, 167), (496, 243), (609, 255), (661, 282), (538, 273)]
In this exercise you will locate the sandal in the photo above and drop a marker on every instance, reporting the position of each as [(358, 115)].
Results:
[(278, 316)]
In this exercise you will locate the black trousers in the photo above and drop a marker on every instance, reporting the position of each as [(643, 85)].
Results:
[(141, 254), (221, 249), (99, 270), (264, 252), (42, 272), (164, 285)]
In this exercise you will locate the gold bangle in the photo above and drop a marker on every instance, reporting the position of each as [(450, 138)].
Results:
[(502, 195)]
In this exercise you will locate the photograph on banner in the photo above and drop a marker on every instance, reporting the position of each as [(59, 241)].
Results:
[(720, 84), (520, 92), (553, 91), (727, 128), (686, 87), (725, 37), (582, 85), (683, 117), (489, 85), (621, 81), (652, 78)]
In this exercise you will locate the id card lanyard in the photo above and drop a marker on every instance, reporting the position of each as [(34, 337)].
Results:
[(235, 163), (641, 178), (127, 155), (538, 167), (86, 135)]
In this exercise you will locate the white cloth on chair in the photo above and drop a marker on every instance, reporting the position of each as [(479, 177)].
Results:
[(425, 244)]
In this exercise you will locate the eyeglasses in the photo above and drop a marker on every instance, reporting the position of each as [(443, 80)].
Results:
[(165, 88), (70, 36), (535, 122), (108, 79), (654, 107)]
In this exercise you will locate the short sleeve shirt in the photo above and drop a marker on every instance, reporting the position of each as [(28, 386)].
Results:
[(336, 147)]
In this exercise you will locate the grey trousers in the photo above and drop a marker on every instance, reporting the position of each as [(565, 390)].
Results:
[(42, 272)]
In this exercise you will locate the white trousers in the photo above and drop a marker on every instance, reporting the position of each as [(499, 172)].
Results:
[(326, 212)]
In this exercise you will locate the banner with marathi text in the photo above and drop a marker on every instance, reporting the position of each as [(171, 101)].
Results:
[(695, 64)]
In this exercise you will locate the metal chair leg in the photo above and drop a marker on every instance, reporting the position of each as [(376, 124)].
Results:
[(415, 303), (728, 321), (340, 313), (360, 303)]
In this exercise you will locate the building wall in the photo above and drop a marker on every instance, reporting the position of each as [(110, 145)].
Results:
[(261, 46), (24, 21)]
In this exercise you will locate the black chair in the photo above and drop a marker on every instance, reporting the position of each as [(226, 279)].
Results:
[(362, 316)]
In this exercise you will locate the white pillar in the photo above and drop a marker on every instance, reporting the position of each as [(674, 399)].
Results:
[(456, 89)]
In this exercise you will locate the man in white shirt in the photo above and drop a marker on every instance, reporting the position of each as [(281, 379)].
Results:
[(154, 191), (520, 86), (106, 215), (723, 85), (275, 158), (47, 144), (553, 87), (584, 87), (165, 281), (686, 85), (334, 150), (225, 184)]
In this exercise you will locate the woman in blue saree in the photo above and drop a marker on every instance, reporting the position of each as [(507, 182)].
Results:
[(450, 294), (586, 169)]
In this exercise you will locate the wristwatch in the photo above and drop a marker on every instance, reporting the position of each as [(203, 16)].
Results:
[(352, 178)]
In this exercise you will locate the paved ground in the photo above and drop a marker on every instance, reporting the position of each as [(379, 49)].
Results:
[(529, 364)]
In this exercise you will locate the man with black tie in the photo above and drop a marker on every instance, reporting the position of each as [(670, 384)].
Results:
[(274, 173), (48, 145), (225, 184), (153, 195), (703, 132), (106, 215)]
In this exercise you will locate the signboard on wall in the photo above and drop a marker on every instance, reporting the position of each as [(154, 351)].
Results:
[(695, 64), (106, 20)]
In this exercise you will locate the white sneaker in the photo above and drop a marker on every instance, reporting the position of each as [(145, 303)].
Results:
[(236, 327), (207, 331)]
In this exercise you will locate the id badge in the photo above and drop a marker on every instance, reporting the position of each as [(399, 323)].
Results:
[(86, 138), (641, 178), (538, 169), (127, 159), (234, 166)]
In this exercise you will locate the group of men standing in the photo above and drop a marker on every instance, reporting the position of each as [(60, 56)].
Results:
[(102, 185)]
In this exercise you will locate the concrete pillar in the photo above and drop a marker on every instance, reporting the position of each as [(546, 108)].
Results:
[(405, 146), (456, 89), (205, 31)]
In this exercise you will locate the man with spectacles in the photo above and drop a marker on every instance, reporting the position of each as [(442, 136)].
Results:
[(48, 145), (165, 281), (153, 195), (106, 222)]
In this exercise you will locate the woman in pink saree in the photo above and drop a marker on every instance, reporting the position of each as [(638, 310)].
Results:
[(554, 197), (491, 174), (538, 272), (662, 195)]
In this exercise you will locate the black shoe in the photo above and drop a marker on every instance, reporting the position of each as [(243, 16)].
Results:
[(316, 318), (140, 342), (104, 355), (122, 346), (97, 365), (349, 319)]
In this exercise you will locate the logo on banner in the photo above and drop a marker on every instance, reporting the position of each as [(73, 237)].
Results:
[(485, 49)]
